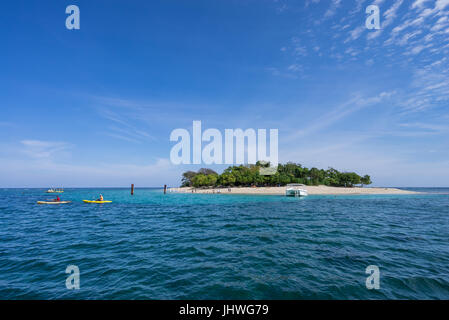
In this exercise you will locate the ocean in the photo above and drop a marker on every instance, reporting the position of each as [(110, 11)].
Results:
[(194, 246)]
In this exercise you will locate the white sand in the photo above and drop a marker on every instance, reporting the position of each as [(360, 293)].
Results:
[(318, 190)]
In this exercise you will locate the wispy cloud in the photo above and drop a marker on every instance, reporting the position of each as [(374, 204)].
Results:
[(436, 128), (39, 149), (335, 4), (355, 33), (431, 89), (419, 3), (21, 173), (338, 113), (123, 129), (281, 73)]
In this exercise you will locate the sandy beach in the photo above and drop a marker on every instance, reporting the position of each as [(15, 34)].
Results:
[(312, 190)]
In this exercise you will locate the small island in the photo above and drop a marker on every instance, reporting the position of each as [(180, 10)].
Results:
[(258, 179)]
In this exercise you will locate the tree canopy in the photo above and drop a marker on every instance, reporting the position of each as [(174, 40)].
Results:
[(249, 175)]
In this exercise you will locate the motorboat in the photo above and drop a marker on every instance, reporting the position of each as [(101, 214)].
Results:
[(55, 190), (296, 190)]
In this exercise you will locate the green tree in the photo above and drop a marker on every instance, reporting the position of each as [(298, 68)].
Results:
[(187, 178), (226, 179), (207, 171), (247, 175), (211, 180), (349, 179), (199, 180), (365, 180)]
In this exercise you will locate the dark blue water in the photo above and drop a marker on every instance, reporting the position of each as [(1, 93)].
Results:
[(194, 246)]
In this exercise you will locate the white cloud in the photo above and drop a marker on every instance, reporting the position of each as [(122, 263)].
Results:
[(429, 89), (426, 126), (419, 3), (340, 112), (441, 4), (335, 4), (20, 173), (298, 49), (355, 33), (391, 13), (43, 149), (295, 68)]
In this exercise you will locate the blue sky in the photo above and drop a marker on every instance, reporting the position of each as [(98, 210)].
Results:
[(96, 106)]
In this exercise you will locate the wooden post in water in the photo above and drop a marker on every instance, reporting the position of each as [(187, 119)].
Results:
[(165, 189), (132, 189)]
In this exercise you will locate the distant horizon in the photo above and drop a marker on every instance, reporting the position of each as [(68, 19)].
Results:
[(168, 186)]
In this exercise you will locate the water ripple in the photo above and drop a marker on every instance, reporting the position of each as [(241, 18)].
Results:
[(152, 246)]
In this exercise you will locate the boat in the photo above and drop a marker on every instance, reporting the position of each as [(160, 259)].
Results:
[(53, 202), (96, 201), (55, 190), (296, 190)]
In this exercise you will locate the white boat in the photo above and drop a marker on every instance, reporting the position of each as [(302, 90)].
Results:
[(55, 190), (295, 190)]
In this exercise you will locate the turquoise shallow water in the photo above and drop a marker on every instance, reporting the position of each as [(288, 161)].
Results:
[(175, 246)]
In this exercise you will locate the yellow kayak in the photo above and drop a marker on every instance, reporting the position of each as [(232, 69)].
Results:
[(53, 202), (95, 201)]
